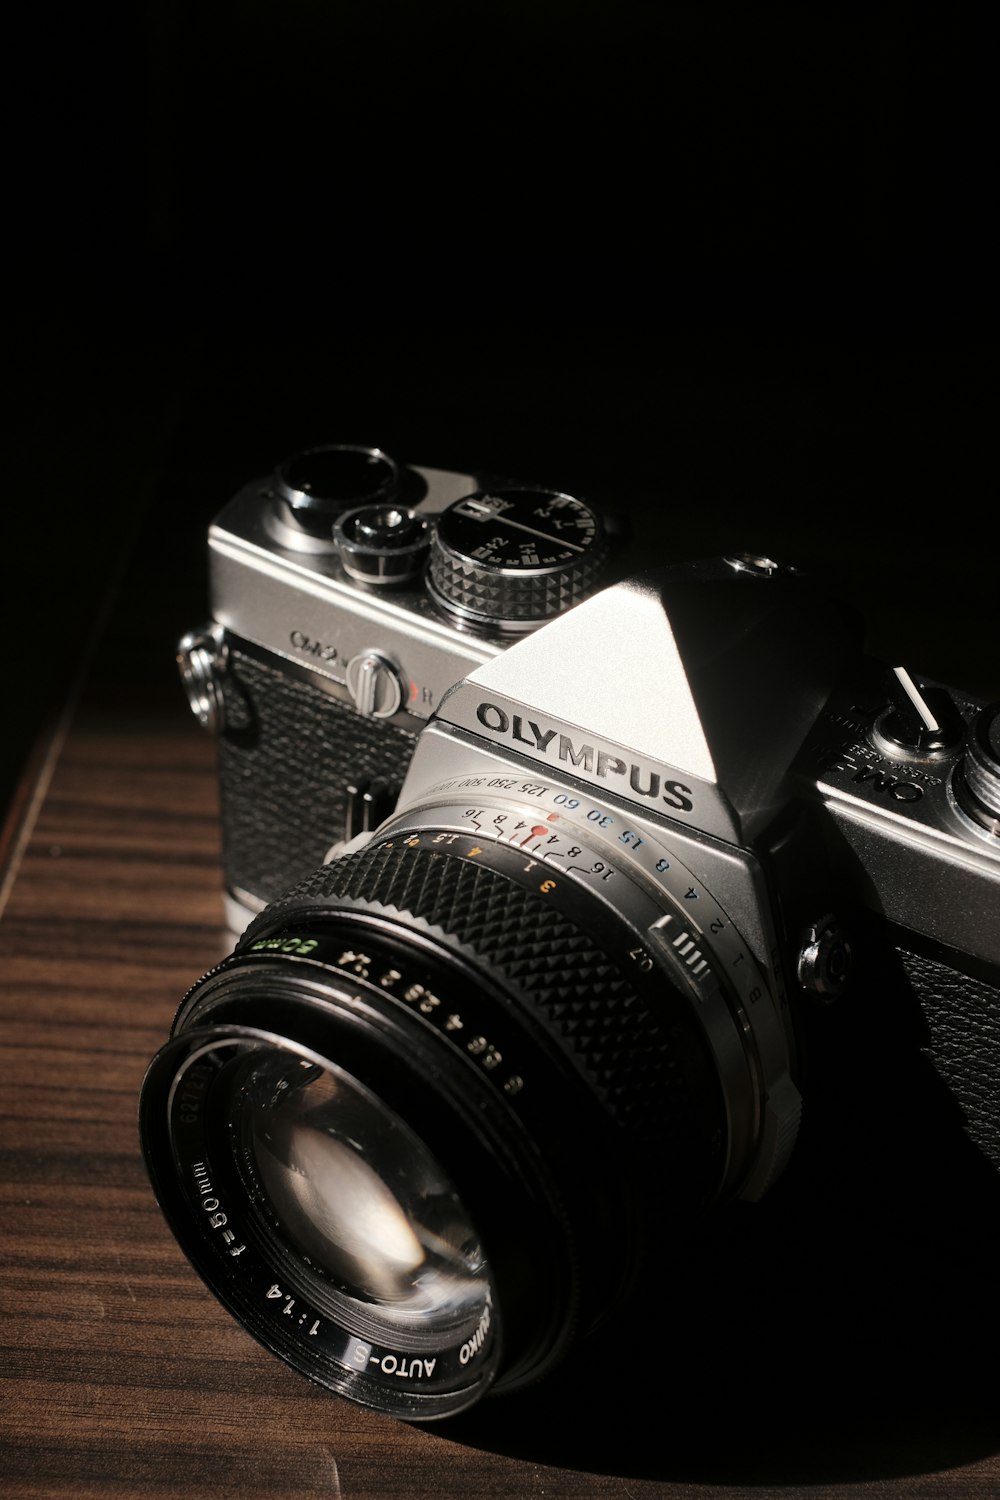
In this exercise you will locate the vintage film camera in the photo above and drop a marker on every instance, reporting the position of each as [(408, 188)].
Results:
[(562, 994)]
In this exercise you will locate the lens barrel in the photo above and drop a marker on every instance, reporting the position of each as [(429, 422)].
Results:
[(413, 1131)]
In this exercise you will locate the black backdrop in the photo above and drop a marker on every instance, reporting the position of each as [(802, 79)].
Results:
[(726, 267)]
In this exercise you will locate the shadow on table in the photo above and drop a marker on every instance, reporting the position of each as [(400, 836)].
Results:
[(844, 1329)]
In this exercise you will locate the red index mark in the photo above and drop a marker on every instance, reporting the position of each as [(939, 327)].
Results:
[(536, 833), (552, 818)]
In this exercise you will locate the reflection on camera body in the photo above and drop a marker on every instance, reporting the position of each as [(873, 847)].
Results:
[(349, 594), (557, 858)]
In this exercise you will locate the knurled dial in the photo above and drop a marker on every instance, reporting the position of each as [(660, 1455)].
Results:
[(976, 778), (514, 557)]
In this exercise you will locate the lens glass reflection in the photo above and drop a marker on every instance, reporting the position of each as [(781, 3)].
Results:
[(359, 1196)]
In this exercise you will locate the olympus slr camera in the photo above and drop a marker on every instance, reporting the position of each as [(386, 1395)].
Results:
[(559, 869)]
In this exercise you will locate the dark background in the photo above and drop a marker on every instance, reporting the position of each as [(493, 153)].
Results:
[(727, 268)]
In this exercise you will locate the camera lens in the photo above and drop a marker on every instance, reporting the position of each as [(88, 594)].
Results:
[(322, 1219), (405, 1131)]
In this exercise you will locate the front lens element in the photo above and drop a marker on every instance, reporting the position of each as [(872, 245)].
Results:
[(330, 1225), (359, 1195)]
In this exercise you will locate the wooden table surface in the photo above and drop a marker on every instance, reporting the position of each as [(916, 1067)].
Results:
[(120, 1375)]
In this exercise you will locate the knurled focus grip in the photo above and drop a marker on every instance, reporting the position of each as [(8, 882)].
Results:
[(286, 758), (963, 1021), (641, 1050), (505, 596)]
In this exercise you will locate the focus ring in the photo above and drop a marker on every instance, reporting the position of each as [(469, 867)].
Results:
[(635, 1041)]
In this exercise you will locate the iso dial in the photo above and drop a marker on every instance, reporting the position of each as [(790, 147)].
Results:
[(514, 557)]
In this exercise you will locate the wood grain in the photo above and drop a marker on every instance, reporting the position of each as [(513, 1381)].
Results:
[(120, 1374)]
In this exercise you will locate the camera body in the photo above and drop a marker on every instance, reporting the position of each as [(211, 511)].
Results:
[(539, 836), (333, 653)]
